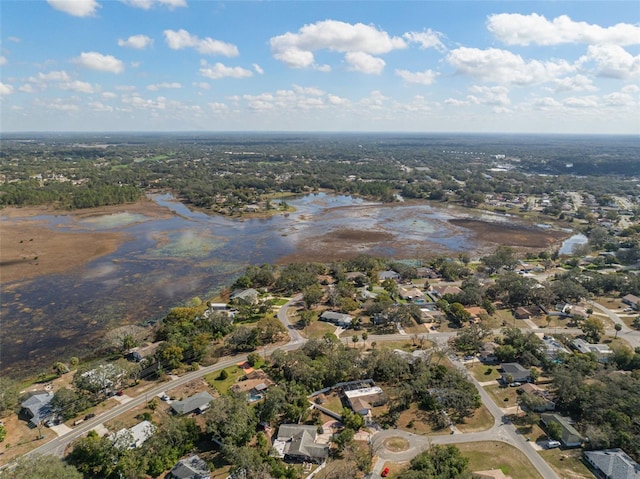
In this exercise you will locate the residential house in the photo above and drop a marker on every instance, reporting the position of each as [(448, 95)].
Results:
[(602, 351), (194, 404), (219, 308), (362, 400), (488, 353), (133, 437), (569, 436), (429, 273), (339, 319), (190, 468), (37, 409), (612, 464), (632, 301), (442, 291), (537, 391), (255, 389), (410, 293), (522, 313), (383, 275), (244, 296), (553, 347), (299, 443), (515, 372), (476, 312), (137, 354)]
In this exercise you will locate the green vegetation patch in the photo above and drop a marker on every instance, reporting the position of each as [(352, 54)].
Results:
[(186, 244), (221, 381)]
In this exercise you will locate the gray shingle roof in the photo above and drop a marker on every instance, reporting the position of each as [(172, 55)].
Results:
[(198, 401), (190, 468), (615, 463), (38, 407)]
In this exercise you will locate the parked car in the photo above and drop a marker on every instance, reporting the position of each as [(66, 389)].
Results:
[(515, 384), (89, 416), (164, 397), (553, 444), (119, 393), (385, 472)]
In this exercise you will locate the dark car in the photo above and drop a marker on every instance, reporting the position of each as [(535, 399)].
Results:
[(119, 393), (89, 416)]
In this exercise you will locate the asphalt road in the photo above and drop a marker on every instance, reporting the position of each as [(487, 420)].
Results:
[(502, 430)]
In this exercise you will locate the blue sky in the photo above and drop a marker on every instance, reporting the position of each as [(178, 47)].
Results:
[(421, 66)]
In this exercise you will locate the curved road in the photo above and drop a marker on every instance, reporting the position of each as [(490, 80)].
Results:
[(502, 430)]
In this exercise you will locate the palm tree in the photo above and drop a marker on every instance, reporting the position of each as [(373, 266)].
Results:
[(618, 328), (365, 335)]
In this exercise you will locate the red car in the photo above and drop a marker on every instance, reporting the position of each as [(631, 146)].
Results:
[(385, 472)]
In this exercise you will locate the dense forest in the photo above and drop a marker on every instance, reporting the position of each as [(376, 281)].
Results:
[(226, 172)]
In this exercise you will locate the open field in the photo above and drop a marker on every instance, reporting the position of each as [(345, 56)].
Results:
[(567, 463), (498, 455)]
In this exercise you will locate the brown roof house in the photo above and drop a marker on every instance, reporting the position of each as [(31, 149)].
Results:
[(300, 443), (254, 388)]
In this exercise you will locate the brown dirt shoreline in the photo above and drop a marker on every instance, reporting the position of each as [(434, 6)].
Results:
[(29, 248)]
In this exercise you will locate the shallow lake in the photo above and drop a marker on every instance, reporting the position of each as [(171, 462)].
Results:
[(165, 262)]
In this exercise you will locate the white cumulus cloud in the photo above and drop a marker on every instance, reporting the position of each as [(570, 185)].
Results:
[(203, 85), (518, 29), (427, 77), (503, 66), (77, 8), (5, 89), (364, 63), (296, 50), (3, 60), (148, 4), (98, 61), (258, 69), (138, 42), (574, 83), (77, 86), (612, 61), (426, 39), (177, 40), (219, 70), (164, 85)]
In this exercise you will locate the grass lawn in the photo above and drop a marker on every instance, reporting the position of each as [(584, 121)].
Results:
[(481, 420), (333, 403), (480, 370), (567, 463), (223, 385), (498, 455), (505, 316), (317, 329), (417, 421), (503, 397), (280, 301)]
